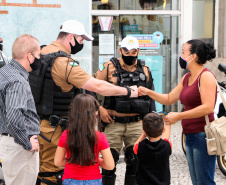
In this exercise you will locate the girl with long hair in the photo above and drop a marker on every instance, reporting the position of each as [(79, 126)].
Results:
[(79, 146)]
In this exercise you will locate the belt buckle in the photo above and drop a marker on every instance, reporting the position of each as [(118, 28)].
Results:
[(127, 120)]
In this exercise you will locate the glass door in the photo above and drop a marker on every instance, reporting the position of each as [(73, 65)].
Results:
[(158, 35)]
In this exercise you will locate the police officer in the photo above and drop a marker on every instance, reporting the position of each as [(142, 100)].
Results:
[(124, 115), (54, 87)]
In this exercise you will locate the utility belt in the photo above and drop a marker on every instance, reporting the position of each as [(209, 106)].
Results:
[(128, 119), (58, 176), (54, 121)]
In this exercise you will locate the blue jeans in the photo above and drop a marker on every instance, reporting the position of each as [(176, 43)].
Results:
[(201, 165), (82, 182)]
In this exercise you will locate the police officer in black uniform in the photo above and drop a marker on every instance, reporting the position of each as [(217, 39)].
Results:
[(121, 115)]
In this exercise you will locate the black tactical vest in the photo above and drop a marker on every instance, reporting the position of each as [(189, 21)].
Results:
[(49, 98), (142, 104)]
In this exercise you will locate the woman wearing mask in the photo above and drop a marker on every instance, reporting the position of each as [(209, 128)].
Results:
[(81, 145), (198, 103)]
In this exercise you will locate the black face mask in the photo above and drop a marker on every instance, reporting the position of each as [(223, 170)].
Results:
[(36, 64), (129, 60), (76, 48), (183, 63)]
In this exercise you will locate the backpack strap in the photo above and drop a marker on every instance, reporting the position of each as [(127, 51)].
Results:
[(115, 62), (54, 55), (141, 62), (117, 65)]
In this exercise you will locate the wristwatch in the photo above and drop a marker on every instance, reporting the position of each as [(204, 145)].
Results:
[(129, 91)]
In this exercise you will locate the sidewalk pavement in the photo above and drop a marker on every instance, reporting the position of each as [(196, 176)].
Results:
[(178, 163)]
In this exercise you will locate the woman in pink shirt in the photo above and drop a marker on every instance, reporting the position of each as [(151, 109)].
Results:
[(198, 103), (79, 145)]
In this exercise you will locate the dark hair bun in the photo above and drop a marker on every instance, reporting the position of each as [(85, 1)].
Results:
[(210, 52)]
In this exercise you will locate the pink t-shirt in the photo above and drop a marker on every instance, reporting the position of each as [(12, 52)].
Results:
[(73, 171)]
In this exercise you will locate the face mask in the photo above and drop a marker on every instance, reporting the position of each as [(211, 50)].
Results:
[(183, 63), (129, 60), (76, 48), (36, 64)]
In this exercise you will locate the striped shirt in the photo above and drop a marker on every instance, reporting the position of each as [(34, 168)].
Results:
[(18, 115)]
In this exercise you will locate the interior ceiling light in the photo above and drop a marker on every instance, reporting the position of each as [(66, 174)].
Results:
[(104, 1), (164, 5)]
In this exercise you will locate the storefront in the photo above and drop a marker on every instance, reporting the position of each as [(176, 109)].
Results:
[(160, 27)]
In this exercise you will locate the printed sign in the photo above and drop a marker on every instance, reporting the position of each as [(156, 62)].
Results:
[(105, 23), (149, 41), (102, 60), (131, 30), (106, 44), (130, 27), (155, 64)]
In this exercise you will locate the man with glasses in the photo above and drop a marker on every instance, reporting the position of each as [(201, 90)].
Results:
[(61, 78), (19, 122), (123, 116)]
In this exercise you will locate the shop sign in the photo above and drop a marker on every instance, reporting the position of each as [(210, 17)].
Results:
[(102, 60), (131, 30), (105, 22), (149, 41)]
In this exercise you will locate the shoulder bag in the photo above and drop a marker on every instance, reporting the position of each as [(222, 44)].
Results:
[(216, 132)]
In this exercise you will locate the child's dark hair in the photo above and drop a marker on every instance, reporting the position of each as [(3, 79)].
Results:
[(153, 125), (82, 138)]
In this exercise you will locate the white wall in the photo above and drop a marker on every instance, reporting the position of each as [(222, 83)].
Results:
[(43, 22)]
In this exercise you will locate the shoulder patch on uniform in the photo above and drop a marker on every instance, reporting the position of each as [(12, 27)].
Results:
[(102, 67), (73, 63)]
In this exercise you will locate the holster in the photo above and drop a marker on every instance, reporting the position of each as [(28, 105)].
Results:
[(58, 175)]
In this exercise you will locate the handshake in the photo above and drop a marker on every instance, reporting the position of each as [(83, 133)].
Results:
[(138, 91)]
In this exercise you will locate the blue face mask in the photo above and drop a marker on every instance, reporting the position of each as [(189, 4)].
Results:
[(183, 63)]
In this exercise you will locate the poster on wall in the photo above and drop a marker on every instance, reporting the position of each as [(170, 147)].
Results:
[(131, 30), (105, 22), (106, 44), (41, 18), (102, 60), (149, 41), (155, 65)]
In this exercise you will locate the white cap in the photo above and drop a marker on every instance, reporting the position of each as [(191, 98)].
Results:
[(129, 43), (75, 27)]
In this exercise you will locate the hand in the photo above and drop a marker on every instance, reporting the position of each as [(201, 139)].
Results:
[(166, 120), (172, 118), (143, 91), (141, 138), (134, 91), (105, 115), (34, 143)]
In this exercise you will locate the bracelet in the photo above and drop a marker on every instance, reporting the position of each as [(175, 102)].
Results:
[(129, 91)]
